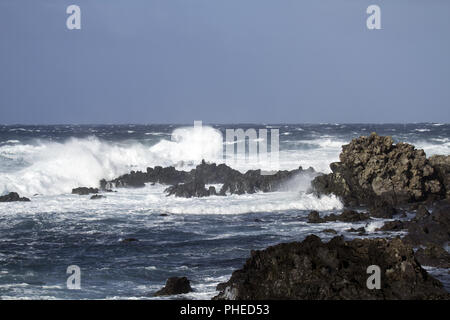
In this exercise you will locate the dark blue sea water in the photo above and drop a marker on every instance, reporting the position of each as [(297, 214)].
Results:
[(204, 239)]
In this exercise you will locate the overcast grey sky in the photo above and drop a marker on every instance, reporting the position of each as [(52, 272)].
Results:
[(224, 61)]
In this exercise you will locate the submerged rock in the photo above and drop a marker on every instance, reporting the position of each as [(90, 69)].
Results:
[(175, 285), (335, 270), (13, 197), (375, 172), (361, 231)]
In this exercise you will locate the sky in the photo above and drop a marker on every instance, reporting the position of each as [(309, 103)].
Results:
[(224, 61)]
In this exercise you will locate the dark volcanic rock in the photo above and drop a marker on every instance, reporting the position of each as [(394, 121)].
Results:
[(332, 231), (361, 231), (12, 197), (175, 285), (345, 216), (433, 256), (137, 179), (97, 196), (382, 209), (422, 213), (193, 183), (314, 217), (441, 165), (82, 191), (375, 172), (195, 188), (253, 181), (433, 228), (334, 270), (396, 225)]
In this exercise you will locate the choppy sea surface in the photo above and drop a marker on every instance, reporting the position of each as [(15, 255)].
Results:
[(204, 239)]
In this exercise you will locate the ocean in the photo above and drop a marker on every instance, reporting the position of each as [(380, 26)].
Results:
[(204, 239)]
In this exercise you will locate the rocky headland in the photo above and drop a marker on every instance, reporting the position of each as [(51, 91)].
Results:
[(388, 180)]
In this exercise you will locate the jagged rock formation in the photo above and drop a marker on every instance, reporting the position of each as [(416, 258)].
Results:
[(345, 216), (82, 191), (13, 197), (433, 228), (193, 183), (334, 270), (433, 256), (375, 172), (441, 165), (175, 285)]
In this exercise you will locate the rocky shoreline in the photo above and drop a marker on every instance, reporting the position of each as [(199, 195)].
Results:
[(375, 179), (387, 180)]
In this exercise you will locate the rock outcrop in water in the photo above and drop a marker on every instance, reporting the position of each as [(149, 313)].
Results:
[(13, 197), (82, 191), (175, 285), (314, 270), (375, 172), (345, 216), (193, 183), (425, 228)]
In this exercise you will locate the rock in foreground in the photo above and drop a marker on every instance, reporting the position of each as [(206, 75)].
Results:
[(335, 270), (12, 197), (175, 285), (434, 228), (433, 256)]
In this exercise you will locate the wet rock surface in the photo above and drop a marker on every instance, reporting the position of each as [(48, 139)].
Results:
[(335, 270), (396, 225), (193, 183), (433, 256), (82, 191), (13, 197), (432, 228), (375, 172), (345, 216), (175, 285), (97, 197)]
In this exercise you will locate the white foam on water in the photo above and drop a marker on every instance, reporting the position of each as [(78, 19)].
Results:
[(441, 146), (51, 168), (152, 200)]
